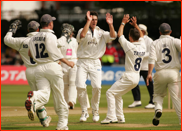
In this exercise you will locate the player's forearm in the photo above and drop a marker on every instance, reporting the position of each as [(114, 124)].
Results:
[(112, 31), (120, 31), (85, 29), (64, 60), (150, 66)]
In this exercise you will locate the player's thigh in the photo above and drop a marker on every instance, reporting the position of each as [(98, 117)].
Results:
[(96, 77), (160, 84), (175, 83), (30, 76), (81, 77), (122, 86), (72, 74)]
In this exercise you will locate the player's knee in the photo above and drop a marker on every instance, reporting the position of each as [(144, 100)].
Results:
[(97, 86), (72, 83)]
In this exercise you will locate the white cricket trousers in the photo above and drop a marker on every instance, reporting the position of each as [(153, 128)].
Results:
[(114, 94), (49, 76), (168, 78), (69, 78), (30, 76), (92, 68)]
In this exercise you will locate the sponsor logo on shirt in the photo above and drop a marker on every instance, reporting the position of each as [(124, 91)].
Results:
[(91, 42), (25, 46)]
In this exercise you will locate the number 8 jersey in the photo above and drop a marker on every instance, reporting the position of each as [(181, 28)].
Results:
[(43, 47), (164, 53), (134, 51)]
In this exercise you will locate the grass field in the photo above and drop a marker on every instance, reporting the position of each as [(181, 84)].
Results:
[(14, 114)]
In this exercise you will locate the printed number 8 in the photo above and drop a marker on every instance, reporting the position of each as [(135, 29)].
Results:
[(137, 63)]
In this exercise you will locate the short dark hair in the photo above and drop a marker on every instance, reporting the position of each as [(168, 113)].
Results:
[(134, 33), (165, 33), (92, 13), (44, 24)]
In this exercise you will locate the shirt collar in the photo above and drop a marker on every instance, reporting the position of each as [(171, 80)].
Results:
[(164, 36), (46, 30), (32, 34)]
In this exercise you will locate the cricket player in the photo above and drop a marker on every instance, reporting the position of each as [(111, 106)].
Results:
[(144, 73), (68, 46), (135, 51), (164, 55), (48, 73), (22, 45), (92, 45)]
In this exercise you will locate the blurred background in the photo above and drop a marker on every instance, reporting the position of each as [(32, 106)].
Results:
[(150, 13)]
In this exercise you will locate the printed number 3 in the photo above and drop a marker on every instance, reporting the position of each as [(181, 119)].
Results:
[(167, 54), (41, 54), (137, 63)]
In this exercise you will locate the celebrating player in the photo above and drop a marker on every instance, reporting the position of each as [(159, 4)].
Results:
[(164, 54), (144, 73), (135, 51), (22, 45), (48, 73), (92, 45), (68, 45)]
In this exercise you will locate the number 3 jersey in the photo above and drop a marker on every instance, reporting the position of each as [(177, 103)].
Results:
[(164, 53), (43, 47), (135, 52), (21, 44)]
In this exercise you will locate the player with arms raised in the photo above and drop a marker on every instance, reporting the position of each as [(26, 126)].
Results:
[(92, 45), (135, 51)]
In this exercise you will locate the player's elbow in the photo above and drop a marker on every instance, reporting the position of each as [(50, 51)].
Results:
[(82, 35)]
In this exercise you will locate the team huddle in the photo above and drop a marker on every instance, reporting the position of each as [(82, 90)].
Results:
[(62, 66)]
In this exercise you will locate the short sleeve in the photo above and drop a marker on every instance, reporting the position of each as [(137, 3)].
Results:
[(152, 54), (51, 46), (61, 41), (107, 36), (126, 45)]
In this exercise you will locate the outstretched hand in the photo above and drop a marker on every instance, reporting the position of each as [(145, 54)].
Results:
[(133, 21), (89, 17), (126, 18), (109, 18)]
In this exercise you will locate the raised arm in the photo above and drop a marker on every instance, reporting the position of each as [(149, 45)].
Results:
[(86, 27), (124, 21), (109, 20), (134, 24)]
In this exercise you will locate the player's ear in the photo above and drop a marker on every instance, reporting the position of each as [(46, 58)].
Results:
[(170, 32), (160, 33)]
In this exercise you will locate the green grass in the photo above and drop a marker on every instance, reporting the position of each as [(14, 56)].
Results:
[(16, 95)]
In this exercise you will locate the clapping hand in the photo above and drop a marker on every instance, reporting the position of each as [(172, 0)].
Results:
[(126, 18), (133, 21), (89, 17), (109, 18)]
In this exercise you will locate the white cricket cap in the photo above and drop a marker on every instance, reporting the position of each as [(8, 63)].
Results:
[(143, 27)]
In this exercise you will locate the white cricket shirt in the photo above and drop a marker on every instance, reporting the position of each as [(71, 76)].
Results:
[(68, 50), (93, 47), (164, 53), (21, 44), (43, 47), (148, 42), (135, 52)]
